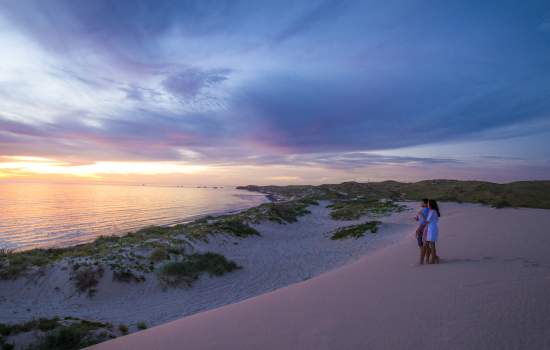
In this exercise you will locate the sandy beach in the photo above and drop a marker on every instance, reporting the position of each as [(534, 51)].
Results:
[(284, 254), (489, 292)]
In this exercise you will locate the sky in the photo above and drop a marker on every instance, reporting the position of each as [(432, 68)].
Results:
[(273, 92)]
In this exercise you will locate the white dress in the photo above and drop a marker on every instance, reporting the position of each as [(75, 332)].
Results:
[(433, 229)]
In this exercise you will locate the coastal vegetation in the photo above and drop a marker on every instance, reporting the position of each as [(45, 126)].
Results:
[(355, 231), (526, 194), (87, 277), (354, 209), (130, 257), (187, 271), (123, 329), (69, 333), (284, 212)]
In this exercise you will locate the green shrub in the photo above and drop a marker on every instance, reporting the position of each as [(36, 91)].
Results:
[(43, 324), (87, 277), (356, 208), (66, 338), (75, 336), (123, 328), (6, 346), (159, 254), (355, 231), (236, 228), (127, 276), (141, 325), (187, 271), (502, 203)]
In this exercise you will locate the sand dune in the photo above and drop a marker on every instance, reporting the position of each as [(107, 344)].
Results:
[(489, 292)]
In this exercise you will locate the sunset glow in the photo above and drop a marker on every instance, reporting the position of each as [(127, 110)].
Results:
[(29, 166), (200, 93)]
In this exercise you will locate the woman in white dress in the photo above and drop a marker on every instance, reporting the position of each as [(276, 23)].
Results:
[(433, 230)]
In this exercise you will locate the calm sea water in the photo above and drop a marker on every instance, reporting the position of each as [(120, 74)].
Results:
[(52, 215)]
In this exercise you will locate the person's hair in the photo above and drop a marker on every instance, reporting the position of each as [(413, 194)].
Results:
[(425, 200), (432, 204)]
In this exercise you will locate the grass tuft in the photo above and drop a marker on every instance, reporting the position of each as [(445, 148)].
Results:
[(127, 276), (187, 271), (86, 278), (355, 231), (123, 328), (159, 254), (356, 208)]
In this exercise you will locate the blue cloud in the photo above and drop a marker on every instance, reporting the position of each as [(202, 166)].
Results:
[(189, 82), (299, 78)]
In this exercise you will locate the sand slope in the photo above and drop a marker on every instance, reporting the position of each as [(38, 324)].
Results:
[(490, 292)]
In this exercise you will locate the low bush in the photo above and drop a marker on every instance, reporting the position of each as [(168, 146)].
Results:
[(159, 254), (123, 328), (87, 277), (72, 337), (355, 231), (43, 324), (236, 228), (127, 276), (356, 208), (187, 271)]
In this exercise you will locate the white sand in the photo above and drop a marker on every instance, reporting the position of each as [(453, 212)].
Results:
[(491, 291), (283, 255)]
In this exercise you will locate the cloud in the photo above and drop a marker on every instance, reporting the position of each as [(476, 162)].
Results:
[(319, 13), (304, 83), (189, 82)]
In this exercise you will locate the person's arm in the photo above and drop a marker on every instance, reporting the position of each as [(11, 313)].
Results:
[(427, 219), (421, 213)]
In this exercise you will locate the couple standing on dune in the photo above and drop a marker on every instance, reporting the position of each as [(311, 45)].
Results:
[(428, 230)]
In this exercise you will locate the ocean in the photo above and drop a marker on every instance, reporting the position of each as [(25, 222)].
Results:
[(60, 215)]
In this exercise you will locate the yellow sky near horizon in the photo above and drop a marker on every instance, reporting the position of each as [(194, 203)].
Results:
[(27, 168), (41, 169)]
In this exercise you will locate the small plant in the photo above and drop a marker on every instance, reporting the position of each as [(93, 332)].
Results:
[(72, 337), (123, 328), (127, 276), (43, 324), (159, 254), (141, 325), (355, 231), (356, 208), (6, 346), (187, 271), (5, 252), (236, 228), (177, 249), (501, 204), (86, 278)]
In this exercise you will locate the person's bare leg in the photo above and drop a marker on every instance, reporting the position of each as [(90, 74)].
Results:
[(427, 252), (422, 254), (434, 257)]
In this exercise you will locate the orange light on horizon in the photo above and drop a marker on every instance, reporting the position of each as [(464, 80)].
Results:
[(30, 165)]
